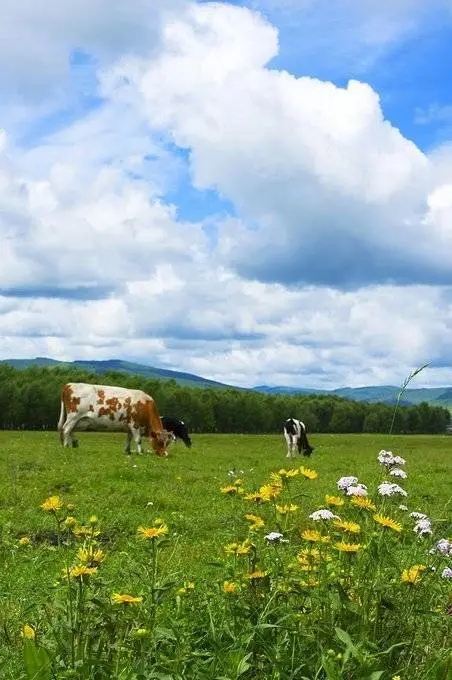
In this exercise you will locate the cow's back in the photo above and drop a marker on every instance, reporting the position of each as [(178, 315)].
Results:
[(107, 406)]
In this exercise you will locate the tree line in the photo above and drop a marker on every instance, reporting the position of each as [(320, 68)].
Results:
[(30, 399)]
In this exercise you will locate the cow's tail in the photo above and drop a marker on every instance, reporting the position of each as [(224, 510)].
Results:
[(61, 420)]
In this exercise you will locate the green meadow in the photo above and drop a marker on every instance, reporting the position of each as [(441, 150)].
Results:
[(301, 609)]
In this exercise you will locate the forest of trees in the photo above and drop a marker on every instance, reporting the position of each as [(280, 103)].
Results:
[(30, 399)]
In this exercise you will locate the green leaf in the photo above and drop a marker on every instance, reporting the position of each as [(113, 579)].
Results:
[(37, 662), (345, 638)]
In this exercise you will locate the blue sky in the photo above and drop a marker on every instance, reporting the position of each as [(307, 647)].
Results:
[(256, 192)]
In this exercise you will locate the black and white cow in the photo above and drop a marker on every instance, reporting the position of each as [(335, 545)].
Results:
[(178, 428), (295, 436)]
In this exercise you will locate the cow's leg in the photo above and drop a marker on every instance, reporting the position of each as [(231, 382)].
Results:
[(136, 434), (290, 447), (71, 421), (304, 444), (287, 438), (128, 441)]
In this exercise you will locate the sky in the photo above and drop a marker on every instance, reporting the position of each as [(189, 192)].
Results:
[(258, 192)]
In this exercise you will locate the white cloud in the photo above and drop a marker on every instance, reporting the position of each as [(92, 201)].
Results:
[(38, 37), (97, 264), (316, 167)]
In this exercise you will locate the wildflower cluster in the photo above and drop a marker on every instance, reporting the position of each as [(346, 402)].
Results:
[(336, 543)]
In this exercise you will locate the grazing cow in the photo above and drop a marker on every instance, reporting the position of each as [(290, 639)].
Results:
[(295, 436), (178, 428), (103, 407)]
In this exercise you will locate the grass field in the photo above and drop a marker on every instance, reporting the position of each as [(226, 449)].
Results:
[(184, 490)]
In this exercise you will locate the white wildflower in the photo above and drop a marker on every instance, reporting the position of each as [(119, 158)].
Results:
[(443, 547), (397, 472), (345, 482), (390, 489), (385, 457), (357, 490), (418, 515), (423, 527), (276, 537), (398, 460), (403, 507), (447, 573), (323, 513)]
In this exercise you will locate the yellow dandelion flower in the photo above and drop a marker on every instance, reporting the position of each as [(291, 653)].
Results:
[(286, 508), (28, 632), (270, 492), (349, 527), (70, 522), (229, 587), (287, 474), (24, 540), (348, 547), (238, 548), (314, 536), (84, 532), (309, 556), (52, 504), (362, 502), (309, 474), (388, 522), (93, 520), (256, 497), (230, 489), (334, 500), (123, 598), (257, 574), (80, 571), (91, 556), (412, 576), (256, 521), (275, 479), (153, 532), (238, 482)]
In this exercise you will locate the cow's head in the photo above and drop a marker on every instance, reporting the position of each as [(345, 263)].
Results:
[(308, 451), (160, 442)]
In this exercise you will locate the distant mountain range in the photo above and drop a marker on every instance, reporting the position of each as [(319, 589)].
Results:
[(440, 396)]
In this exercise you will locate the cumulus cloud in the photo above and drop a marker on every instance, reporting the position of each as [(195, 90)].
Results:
[(304, 283), (316, 172)]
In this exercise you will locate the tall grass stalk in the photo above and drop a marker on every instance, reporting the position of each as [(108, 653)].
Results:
[(403, 388)]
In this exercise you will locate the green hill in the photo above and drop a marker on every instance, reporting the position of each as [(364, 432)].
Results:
[(109, 365)]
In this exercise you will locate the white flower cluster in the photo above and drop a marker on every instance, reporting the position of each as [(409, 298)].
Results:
[(351, 486), (423, 527), (391, 489), (344, 482), (442, 547), (323, 513), (387, 459), (422, 523), (276, 537)]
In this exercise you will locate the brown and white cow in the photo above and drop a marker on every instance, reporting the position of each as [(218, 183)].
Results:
[(103, 407)]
